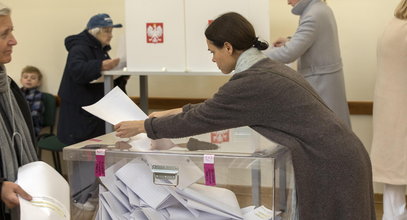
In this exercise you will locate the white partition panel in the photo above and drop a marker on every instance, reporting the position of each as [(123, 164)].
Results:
[(155, 35), (197, 15), (168, 35)]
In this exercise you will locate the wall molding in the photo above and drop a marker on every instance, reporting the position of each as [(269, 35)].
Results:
[(355, 107), (360, 108)]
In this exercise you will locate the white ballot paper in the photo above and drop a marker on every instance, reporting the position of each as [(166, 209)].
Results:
[(221, 199), (109, 180), (49, 190), (116, 107), (261, 213), (138, 177)]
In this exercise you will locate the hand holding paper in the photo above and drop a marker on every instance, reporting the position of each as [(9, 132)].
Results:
[(127, 129), (9, 192), (116, 107)]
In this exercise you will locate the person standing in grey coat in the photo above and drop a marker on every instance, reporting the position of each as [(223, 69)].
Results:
[(316, 46), (332, 169)]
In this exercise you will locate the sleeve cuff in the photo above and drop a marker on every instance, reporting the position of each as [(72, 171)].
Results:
[(148, 126)]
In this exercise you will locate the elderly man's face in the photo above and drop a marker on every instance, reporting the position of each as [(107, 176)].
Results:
[(7, 40), (105, 35)]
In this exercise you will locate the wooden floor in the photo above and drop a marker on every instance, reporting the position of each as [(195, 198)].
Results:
[(379, 208), (78, 214)]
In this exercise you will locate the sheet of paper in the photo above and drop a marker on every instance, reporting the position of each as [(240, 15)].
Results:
[(182, 201), (171, 201), (138, 177), (140, 142), (247, 209), (138, 214), (115, 107), (152, 214), (102, 213), (109, 180), (220, 199), (50, 192), (121, 186), (261, 213), (108, 212), (134, 200), (121, 53), (207, 209), (116, 206), (179, 212)]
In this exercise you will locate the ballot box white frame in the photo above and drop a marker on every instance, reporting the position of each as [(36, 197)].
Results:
[(278, 157)]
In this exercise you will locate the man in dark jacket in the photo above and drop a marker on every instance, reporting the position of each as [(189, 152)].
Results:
[(87, 58), (16, 129)]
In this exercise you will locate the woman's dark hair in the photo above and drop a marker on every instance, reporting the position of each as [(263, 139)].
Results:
[(235, 29)]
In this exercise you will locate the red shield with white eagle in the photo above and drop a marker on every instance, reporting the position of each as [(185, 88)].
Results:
[(155, 33), (219, 137)]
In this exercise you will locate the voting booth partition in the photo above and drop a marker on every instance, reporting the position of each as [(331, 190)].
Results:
[(168, 36), (229, 174)]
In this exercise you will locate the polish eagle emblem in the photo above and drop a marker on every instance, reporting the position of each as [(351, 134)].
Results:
[(155, 33)]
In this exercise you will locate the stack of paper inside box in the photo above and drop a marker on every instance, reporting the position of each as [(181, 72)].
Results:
[(128, 192)]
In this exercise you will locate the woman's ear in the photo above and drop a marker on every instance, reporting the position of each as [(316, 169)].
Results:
[(229, 48)]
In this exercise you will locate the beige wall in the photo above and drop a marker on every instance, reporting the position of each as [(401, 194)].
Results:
[(41, 26)]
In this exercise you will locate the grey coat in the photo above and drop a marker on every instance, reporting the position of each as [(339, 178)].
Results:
[(332, 168), (316, 46)]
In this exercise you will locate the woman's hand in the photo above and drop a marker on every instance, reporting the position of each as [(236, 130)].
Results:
[(126, 129), (9, 192), (165, 113), (280, 42)]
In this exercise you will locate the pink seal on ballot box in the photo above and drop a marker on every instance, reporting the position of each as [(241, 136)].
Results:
[(209, 170)]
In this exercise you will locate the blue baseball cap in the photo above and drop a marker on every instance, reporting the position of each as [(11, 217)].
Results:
[(101, 20)]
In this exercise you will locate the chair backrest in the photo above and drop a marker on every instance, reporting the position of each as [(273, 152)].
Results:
[(50, 109)]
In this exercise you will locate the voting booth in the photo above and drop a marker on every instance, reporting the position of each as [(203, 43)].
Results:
[(229, 174), (168, 36)]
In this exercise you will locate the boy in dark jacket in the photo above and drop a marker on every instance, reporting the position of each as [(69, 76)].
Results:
[(30, 80)]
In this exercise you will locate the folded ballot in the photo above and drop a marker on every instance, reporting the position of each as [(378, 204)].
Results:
[(213, 199)]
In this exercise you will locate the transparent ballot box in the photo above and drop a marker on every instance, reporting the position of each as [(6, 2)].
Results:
[(229, 174)]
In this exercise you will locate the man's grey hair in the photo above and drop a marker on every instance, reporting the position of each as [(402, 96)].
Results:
[(95, 31), (4, 10)]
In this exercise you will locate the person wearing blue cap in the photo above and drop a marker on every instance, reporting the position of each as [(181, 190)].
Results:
[(87, 58)]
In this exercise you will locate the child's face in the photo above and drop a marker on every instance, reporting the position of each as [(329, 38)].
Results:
[(30, 80)]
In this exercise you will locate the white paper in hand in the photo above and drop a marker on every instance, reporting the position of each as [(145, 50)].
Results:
[(116, 107), (49, 190)]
